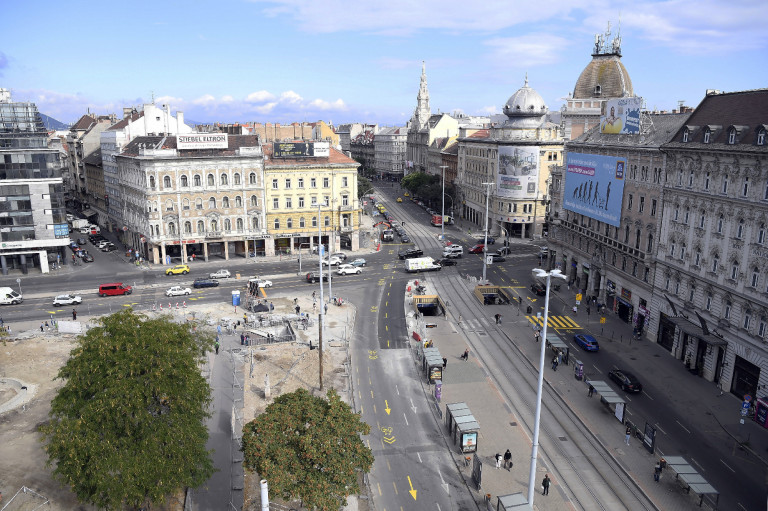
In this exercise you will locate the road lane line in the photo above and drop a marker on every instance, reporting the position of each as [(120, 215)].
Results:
[(393, 484), (659, 428), (686, 429), (648, 396), (418, 455), (388, 466), (406, 419), (726, 466), (379, 487)]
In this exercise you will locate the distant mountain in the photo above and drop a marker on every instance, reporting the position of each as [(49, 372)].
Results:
[(52, 124)]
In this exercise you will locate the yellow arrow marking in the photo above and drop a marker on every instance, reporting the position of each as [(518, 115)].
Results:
[(412, 491), (389, 439), (387, 409)]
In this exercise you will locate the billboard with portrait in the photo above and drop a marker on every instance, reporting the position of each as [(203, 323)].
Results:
[(594, 186), (621, 115), (518, 172)]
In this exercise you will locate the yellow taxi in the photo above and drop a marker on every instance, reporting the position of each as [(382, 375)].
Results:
[(407, 194), (179, 269), (399, 199)]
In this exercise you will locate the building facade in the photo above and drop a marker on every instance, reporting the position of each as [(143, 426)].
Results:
[(33, 223), (83, 138), (389, 147), (710, 308)]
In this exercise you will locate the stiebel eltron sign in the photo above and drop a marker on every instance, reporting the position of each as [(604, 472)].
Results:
[(202, 141)]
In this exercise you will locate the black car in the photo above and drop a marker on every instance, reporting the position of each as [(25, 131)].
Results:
[(405, 239), (491, 240), (539, 289), (408, 253), (81, 241), (445, 261), (314, 276), (628, 381), (203, 282)]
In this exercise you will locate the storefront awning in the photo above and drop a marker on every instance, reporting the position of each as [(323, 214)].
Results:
[(695, 331)]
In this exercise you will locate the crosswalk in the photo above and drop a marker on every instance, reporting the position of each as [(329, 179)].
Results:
[(554, 321)]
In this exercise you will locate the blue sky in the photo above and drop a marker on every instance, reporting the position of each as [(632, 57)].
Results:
[(341, 61)]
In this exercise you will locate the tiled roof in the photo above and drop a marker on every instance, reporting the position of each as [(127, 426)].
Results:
[(452, 147), (83, 123), (93, 159), (122, 124), (661, 131), (335, 157), (480, 134)]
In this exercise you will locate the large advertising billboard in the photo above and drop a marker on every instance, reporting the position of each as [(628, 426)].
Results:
[(289, 149), (202, 141), (518, 172), (594, 186), (621, 115)]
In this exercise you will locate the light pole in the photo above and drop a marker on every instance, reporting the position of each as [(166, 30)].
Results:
[(485, 242), (535, 449), (442, 213)]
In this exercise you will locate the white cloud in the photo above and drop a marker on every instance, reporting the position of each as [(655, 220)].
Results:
[(530, 50), (337, 105), (204, 100), (227, 99), (259, 96), (290, 97), (168, 100)]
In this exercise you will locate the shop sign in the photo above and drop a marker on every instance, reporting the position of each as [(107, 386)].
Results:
[(12, 245), (610, 286), (642, 310), (626, 294)]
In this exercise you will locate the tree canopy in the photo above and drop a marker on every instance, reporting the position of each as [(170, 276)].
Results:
[(308, 447), (428, 187), (126, 429)]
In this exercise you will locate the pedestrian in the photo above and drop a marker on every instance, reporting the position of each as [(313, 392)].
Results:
[(536, 335), (465, 356), (46, 326), (247, 339), (575, 309), (314, 306), (314, 297), (498, 460), (445, 362), (591, 390), (298, 309), (507, 460), (245, 318), (627, 434), (74, 315), (657, 472), (216, 345), (326, 308), (497, 317), (218, 329), (242, 339), (545, 485), (559, 357), (295, 301), (271, 306), (2, 323), (554, 363), (41, 327)]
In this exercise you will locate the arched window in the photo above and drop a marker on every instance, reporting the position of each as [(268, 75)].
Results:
[(755, 277), (211, 181), (225, 202), (239, 224), (720, 221), (184, 181), (198, 203), (289, 223), (224, 180), (727, 310), (152, 182), (200, 227), (236, 178), (740, 228), (277, 223), (188, 227), (151, 230), (185, 204), (167, 182), (252, 178), (214, 225), (238, 202), (255, 223), (747, 319), (715, 263), (171, 228), (227, 224), (254, 201), (735, 270), (212, 203), (302, 223), (197, 181), (761, 234), (314, 221), (169, 205)]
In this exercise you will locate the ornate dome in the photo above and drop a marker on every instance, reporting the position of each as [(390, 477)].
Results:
[(526, 102), (604, 77)]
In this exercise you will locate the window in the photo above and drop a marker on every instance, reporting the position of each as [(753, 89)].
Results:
[(289, 223), (314, 221), (666, 284), (761, 327), (212, 203), (326, 182), (740, 229), (682, 251), (184, 181), (707, 134), (288, 202), (672, 247), (653, 207), (629, 202), (623, 264), (326, 200), (252, 178), (715, 263), (626, 234), (708, 304), (236, 179), (344, 181), (238, 202), (727, 310), (152, 182), (641, 206), (720, 221), (302, 223), (650, 243), (211, 181), (677, 213), (755, 278), (287, 183), (734, 271), (685, 135), (687, 215), (691, 293), (634, 269), (197, 180), (732, 137), (761, 137), (725, 184), (313, 201), (188, 227), (224, 180), (227, 225), (198, 203), (277, 223), (313, 182), (690, 179), (301, 182), (761, 234), (697, 258), (646, 274), (185, 204), (327, 221), (677, 286), (637, 238), (745, 188), (255, 222), (239, 225), (345, 200), (169, 205), (254, 201), (702, 220), (171, 228), (275, 203), (274, 184), (680, 177), (301, 202), (706, 181), (225, 202)]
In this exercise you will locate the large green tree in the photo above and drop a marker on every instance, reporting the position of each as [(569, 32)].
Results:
[(127, 429), (308, 448)]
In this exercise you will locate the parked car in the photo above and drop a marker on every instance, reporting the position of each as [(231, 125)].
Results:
[(477, 249), (331, 261), (340, 255), (447, 262), (628, 381), (261, 282), (88, 258), (108, 247), (346, 269), (498, 258), (221, 274), (102, 242), (410, 252), (404, 238), (586, 342), (179, 269), (314, 276), (67, 300), (539, 289), (178, 291), (359, 262), (205, 282), (81, 241)]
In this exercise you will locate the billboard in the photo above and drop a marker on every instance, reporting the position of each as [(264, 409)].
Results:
[(594, 186), (293, 149), (518, 172), (202, 141), (621, 115)]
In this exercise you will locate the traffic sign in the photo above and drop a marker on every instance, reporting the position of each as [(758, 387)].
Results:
[(578, 297), (489, 259), (602, 320)]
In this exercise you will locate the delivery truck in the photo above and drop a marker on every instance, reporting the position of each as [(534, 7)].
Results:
[(79, 223), (437, 220), (418, 264)]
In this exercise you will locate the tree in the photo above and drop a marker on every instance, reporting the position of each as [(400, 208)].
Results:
[(363, 185), (308, 447), (126, 429)]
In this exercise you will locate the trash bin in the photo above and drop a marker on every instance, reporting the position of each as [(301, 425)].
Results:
[(529, 309)]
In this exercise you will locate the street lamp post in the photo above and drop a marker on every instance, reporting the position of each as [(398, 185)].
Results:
[(485, 242), (535, 449), (442, 213)]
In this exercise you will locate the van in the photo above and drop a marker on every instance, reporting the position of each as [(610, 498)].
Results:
[(116, 288), (453, 251), (10, 297)]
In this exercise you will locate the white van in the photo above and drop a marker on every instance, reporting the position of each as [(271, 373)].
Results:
[(453, 251), (9, 297)]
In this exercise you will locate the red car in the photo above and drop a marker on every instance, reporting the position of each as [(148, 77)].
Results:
[(477, 249)]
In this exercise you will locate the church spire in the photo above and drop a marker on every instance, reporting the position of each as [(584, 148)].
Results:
[(422, 113)]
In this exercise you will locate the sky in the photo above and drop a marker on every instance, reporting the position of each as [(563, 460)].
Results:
[(340, 61)]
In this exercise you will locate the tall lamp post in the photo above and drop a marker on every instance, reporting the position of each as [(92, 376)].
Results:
[(535, 449), (442, 218), (485, 242)]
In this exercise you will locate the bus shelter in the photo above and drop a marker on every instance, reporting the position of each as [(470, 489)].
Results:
[(463, 428), (512, 502), (610, 398), (558, 346), (432, 364), (691, 478)]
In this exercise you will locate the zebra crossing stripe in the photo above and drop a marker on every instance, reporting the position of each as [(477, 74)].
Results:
[(554, 322)]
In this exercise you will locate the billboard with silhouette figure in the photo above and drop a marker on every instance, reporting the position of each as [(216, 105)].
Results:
[(594, 186)]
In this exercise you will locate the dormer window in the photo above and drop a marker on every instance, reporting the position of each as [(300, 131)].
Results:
[(686, 132), (761, 137), (707, 134), (598, 90), (732, 137)]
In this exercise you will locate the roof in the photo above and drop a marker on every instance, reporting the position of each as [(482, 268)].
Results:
[(335, 157), (234, 142), (662, 129), (452, 148), (126, 121), (609, 73), (83, 123), (93, 159)]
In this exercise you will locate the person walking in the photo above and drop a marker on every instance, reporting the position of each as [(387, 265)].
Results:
[(314, 297), (545, 485), (498, 460), (216, 345), (627, 434), (497, 317), (242, 339), (508, 460), (536, 334), (445, 362), (575, 309), (554, 363), (657, 472), (41, 327), (465, 356), (74, 315), (591, 390)]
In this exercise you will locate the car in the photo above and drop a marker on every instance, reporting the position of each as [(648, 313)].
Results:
[(73, 245), (332, 261), (221, 274), (178, 291), (491, 240), (445, 261), (108, 248), (261, 282), (359, 262), (314, 276), (205, 282), (179, 269), (67, 300), (346, 269), (341, 255), (409, 253), (407, 194), (628, 381), (81, 241), (453, 250), (477, 249), (587, 342), (405, 238), (102, 242), (88, 258), (539, 289), (543, 251), (96, 241), (503, 251), (497, 258), (399, 199)]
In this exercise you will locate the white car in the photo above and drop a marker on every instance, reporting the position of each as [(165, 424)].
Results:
[(221, 274), (333, 261), (262, 282), (67, 300), (103, 243), (178, 291), (346, 269)]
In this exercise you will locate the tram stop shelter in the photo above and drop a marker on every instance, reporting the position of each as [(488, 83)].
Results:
[(512, 502), (558, 345), (610, 398), (463, 428), (432, 364), (692, 480)]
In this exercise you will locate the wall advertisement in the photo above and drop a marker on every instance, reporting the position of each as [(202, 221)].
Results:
[(594, 186), (621, 115), (518, 172), (292, 149), (202, 141)]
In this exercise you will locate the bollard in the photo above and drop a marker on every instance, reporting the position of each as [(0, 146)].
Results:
[(169, 305), (161, 306), (154, 307), (184, 304), (177, 305)]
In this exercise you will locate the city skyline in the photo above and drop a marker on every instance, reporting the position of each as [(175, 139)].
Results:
[(284, 61)]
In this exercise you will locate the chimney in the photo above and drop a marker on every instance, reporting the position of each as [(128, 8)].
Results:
[(126, 112), (179, 120)]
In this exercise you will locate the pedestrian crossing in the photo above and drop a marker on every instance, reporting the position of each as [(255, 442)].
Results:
[(474, 324), (554, 321)]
